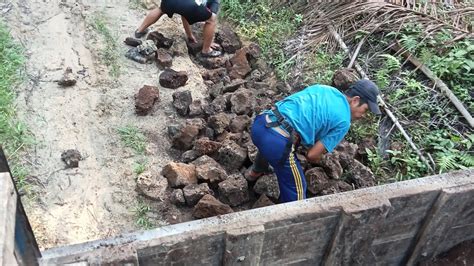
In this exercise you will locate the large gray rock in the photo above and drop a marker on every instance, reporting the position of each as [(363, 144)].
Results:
[(234, 190), (180, 174), (219, 104), (219, 122), (208, 170), (209, 206), (330, 163), (231, 155), (239, 123), (181, 101), (348, 148), (316, 180), (145, 99), (212, 62), (172, 79), (360, 175), (267, 185), (195, 108), (185, 137), (243, 102), (194, 192), (152, 186)]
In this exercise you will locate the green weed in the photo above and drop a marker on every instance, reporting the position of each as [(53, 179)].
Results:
[(320, 67), (109, 53), (14, 135), (132, 138), (140, 166), (268, 26), (141, 210)]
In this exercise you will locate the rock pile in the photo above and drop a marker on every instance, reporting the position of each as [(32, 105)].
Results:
[(215, 143)]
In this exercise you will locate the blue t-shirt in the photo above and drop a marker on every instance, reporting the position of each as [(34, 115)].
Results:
[(318, 112)]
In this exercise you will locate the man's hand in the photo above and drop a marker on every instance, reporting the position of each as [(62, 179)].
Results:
[(316, 152)]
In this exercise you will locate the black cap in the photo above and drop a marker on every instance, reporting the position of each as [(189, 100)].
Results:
[(368, 92)]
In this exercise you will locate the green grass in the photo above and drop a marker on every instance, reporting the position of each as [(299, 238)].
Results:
[(131, 137), (109, 53), (140, 167), (266, 25), (14, 136), (320, 67), (140, 211)]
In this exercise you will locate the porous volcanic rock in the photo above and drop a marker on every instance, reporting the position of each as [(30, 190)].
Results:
[(360, 175), (330, 163), (243, 102), (160, 40), (172, 79), (219, 122), (228, 39), (240, 65), (209, 206), (208, 170), (205, 146), (316, 180), (181, 101), (267, 185), (263, 201), (231, 155), (179, 174), (184, 139), (177, 197), (234, 190), (215, 75), (163, 58), (343, 78), (194, 192), (145, 99), (239, 123)]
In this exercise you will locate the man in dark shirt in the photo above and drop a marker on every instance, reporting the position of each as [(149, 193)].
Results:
[(191, 11)]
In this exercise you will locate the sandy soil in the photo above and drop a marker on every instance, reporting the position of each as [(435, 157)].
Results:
[(97, 199)]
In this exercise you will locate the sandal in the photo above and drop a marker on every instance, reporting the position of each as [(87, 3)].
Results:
[(212, 53), (141, 34)]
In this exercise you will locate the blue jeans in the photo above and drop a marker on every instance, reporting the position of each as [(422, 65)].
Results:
[(271, 146)]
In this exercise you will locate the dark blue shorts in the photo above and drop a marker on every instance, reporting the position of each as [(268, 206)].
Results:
[(189, 9), (271, 146)]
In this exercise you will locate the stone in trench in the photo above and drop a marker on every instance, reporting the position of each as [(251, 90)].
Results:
[(163, 58), (132, 41), (212, 62), (215, 75), (360, 175), (152, 186), (209, 206), (145, 99), (205, 146), (233, 85), (239, 123), (228, 39), (231, 155), (189, 156), (243, 102), (267, 185), (218, 105), (348, 148), (234, 190), (194, 192), (71, 158), (263, 201), (316, 180), (252, 150), (208, 170), (181, 101), (172, 79), (335, 186), (343, 78), (160, 40), (219, 122), (216, 89), (185, 138), (177, 197), (198, 122), (195, 108), (240, 65), (179, 174), (330, 163), (68, 79)]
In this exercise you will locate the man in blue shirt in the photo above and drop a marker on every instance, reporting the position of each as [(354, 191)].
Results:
[(317, 117)]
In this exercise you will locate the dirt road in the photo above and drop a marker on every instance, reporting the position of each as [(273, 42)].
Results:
[(97, 199)]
